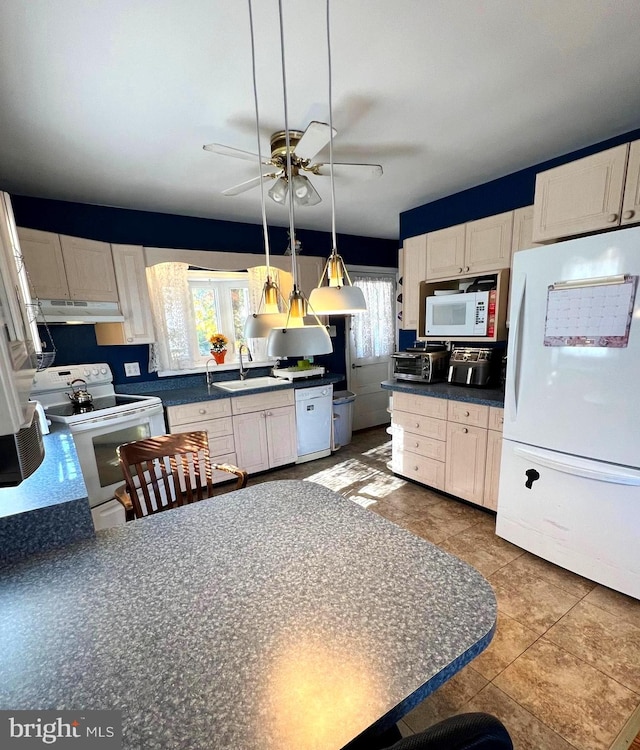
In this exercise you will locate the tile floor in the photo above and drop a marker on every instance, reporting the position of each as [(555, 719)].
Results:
[(563, 670)]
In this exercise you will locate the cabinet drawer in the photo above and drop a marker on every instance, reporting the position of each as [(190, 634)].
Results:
[(213, 427), (418, 425), (260, 401), (423, 446), (422, 469), (219, 446), (202, 410), (424, 405), (476, 415), (496, 418)]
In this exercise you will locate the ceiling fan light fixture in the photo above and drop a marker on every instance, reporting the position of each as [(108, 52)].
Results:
[(278, 191)]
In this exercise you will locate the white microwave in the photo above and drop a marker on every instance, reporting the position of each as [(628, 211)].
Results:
[(466, 314)]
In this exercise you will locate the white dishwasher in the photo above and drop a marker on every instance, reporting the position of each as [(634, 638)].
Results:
[(314, 414)]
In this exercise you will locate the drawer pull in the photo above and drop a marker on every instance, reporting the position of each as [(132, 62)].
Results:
[(417, 425), (612, 217), (465, 430), (417, 445), (628, 214), (202, 411), (466, 413), (415, 468)]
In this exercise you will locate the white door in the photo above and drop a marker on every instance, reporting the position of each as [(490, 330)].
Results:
[(370, 344)]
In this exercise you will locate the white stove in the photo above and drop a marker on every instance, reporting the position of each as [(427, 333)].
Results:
[(98, 427)]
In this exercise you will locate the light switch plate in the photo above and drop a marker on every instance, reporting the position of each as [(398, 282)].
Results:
[(131, 369)]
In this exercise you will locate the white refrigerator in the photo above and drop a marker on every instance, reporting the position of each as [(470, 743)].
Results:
[(570, 471)]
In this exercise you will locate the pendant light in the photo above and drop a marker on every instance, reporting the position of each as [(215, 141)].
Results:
[(339, 297), (268, 315), (296, 338)]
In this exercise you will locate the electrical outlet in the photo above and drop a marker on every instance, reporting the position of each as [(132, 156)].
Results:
[(131, 369)]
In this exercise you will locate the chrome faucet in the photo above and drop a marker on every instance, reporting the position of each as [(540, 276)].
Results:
[(208, 374), (243, 372)]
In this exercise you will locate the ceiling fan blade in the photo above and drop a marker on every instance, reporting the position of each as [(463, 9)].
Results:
[(247, 185), (220, 148), (362, 171), (314, 139)]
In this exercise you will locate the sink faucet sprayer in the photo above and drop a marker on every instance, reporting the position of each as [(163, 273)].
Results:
[(243, 372)]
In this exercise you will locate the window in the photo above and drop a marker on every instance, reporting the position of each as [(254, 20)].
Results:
[(220, 305)]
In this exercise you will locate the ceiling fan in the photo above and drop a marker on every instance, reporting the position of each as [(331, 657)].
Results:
[(304, 146)]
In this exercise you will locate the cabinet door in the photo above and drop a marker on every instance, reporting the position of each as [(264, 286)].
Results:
[(466, 458), (492, 476), (580, 197), (488, 243), (414, 260), (522, 237), (631, 200), (44, 263), (133, 293), (282, 444), (445, 252), (89, 268), (250, 438)]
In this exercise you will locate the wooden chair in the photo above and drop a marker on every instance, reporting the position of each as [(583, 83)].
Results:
[(167, 471)]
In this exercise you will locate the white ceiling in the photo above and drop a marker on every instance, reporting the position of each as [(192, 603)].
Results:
[(110, 101)]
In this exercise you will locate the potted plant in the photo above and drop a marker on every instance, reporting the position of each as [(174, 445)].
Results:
[(218, 342)]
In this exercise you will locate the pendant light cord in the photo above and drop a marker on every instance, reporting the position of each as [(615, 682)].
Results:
[(334, 242), (265, 231), (292, 239)]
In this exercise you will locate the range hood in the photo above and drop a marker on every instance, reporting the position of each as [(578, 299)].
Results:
[(72, 311)]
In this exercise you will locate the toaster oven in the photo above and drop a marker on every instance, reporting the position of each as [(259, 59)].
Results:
[(420, 365)]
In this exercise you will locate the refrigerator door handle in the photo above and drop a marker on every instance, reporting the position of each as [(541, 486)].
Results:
[(581, 467), (513, 364)]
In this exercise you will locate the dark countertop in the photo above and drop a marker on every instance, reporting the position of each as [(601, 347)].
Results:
[(50, 508), (485, 396), (210, 624), (192, 388)]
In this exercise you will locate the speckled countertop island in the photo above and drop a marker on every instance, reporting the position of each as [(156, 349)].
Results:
[(279, 616), (486, 396)]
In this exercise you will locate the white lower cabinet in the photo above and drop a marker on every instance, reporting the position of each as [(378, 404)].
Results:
[(214, 417), (264, 429), (452, 446)]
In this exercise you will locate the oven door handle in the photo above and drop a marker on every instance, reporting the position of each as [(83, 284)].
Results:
[(112, 420)]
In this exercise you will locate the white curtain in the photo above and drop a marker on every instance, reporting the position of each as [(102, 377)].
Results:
[(374, 330), (175, 347)]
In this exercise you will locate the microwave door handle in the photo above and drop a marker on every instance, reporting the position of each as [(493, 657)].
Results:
[(513, 362)]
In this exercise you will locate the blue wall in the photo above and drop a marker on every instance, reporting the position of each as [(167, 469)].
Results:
[(77, 344), (504, 194)]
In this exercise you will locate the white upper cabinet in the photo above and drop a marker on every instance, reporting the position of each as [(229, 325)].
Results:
[(44, 263), (478, 246), (414, 257), (631, 198), (580, 197), (135, 304), (488, 243), (62, 267), (89, 268), (446, 252)]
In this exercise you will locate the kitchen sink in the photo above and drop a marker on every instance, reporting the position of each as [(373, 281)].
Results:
[(249, 384)]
